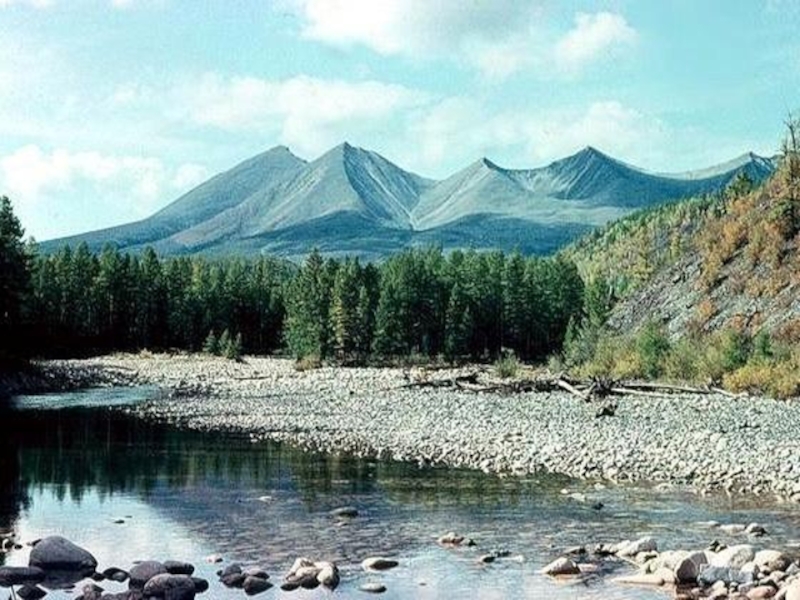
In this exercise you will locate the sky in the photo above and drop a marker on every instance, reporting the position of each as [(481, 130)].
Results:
[(111, 109)]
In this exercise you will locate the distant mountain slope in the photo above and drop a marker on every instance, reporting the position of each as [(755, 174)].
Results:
[(355, 201), (221, 192)]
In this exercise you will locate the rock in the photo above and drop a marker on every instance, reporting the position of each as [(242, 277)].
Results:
[(372, 588), (115, 574), (200, 584), (628, 549), (170, 587), (31, 592), (233, 580), (733, 557), (761, 592), (256, 572), (348, 512), (772, 560), (755, 529), (688, 568), (56, 553), (328, 575), (231, 569), (793, 590), (20, 575), (299, 563), (213, 559), (561, 567), (92, 592), (176, 567), (453, 539), (255, 585), (143, 572), (487, 558), (711, 575), (378, 563), (733, 528), (653, 579)]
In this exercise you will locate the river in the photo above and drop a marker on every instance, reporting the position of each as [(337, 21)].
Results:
[(80, 466)]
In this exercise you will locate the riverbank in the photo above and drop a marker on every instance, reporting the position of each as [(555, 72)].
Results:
[(707, 442)]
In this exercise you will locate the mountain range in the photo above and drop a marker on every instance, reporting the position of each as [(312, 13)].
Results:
[(354, 201)]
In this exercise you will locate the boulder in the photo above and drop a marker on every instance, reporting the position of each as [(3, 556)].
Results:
[(170, 587), (231, 569), (711, 575), (20, 575), (761, 592), (560, 567), (653, 579), (733, 557), (378, 563), (256, 572), (177, 567), (233, 580), (793, 590), (56, 553), (772, 560), (143, 572), (200, 585), (31, 592), (255, 585), (688, 568), (328, 574)]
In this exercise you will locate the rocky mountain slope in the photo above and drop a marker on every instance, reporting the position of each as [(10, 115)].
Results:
[(353, 201), (706, 265)]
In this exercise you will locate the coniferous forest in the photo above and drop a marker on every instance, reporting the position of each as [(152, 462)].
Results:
[(419, 303)]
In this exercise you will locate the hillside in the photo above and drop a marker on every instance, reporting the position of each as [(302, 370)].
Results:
[(706, 288), (354, 201)]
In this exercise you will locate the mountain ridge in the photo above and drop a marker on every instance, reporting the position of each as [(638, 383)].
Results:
[(263, 203)]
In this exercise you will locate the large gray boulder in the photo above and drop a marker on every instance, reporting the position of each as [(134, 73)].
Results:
[(143, 572), (20, 575), (170, 587), (56, 553)]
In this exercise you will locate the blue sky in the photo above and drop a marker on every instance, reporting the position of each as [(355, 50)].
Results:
[(110, 109)]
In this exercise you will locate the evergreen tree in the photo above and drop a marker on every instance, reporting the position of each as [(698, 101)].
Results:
[(345, 323), (211, 345), (307, 310), (458, 324), (15, 280)]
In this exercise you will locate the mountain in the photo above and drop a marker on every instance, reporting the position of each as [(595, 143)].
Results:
[(355, 201)]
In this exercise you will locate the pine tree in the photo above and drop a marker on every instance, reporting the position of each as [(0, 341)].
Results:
[(211, 345), (344, 309), (458, 324), (15, 280), (307, 310)]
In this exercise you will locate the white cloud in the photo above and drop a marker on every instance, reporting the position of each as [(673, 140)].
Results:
[(592, 37), (306, 113), (189, 175), (29, 172)]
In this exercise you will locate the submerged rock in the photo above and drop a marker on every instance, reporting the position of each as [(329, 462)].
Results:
[(378, 563), (143, 572), (561, 567)]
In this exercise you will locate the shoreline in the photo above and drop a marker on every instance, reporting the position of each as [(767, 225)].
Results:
[(706, 443)]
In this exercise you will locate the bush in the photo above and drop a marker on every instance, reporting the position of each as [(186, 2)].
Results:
[(233, 349), (507, 365), (308, 363), (653, 346), (211, 345), (680, 364)]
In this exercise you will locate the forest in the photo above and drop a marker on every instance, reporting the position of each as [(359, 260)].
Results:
[(421, 303)]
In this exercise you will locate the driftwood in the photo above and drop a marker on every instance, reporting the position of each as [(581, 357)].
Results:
[(586, 390)]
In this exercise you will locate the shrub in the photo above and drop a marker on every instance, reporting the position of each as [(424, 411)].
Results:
[(211, 345), (307, 363), (680, 364), (233, 349), (507, 365), (652, 345)]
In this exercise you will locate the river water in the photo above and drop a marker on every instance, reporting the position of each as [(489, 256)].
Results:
[(78, 465)]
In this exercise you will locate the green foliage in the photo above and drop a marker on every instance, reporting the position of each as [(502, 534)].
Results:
[(15, 281), (232, 350), (653, 346), (307, 310), (211, 345), (507, 365)]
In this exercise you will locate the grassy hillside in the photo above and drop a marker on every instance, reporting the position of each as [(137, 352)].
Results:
[(707, 289)]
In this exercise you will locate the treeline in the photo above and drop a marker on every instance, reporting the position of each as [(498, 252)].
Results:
[(420, 302)]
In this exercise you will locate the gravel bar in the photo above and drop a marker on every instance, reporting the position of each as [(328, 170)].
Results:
[(707, 442)]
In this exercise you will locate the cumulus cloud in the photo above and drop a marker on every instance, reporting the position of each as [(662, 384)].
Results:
[(592, 37), (304, 112), (498, 37)]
